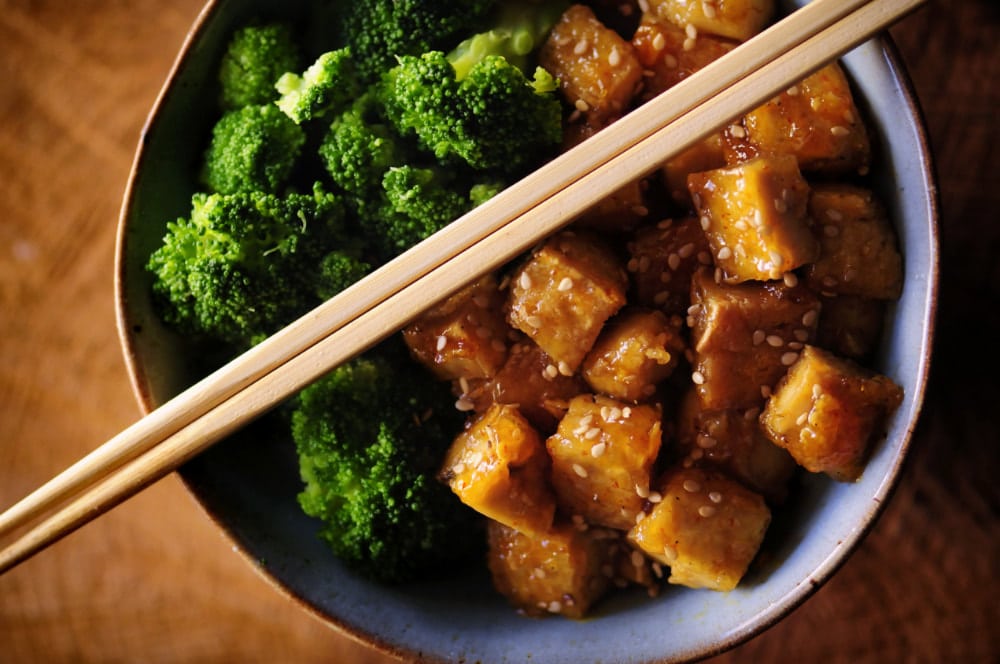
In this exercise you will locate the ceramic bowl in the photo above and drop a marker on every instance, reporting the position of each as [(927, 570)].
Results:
[(248, 484)]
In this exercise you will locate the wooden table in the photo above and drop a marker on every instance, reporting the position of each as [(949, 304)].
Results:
[(155, 581)]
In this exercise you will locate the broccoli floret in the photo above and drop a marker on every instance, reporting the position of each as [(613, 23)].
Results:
[(338, 270), (378, 31), (370, 437), (244, 265), (327, 85), (255, 57), (358, 149), (418, 203), (517, 31), (253, 148)]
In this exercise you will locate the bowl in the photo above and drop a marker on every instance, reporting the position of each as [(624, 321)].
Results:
[(248, 484)]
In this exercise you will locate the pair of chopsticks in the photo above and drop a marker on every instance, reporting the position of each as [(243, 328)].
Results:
[(482, 240)]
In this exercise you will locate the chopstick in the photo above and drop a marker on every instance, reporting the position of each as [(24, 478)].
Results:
[(482, 240)]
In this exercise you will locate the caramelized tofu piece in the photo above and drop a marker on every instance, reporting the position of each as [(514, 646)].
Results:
[(531, 380), (597, 69), (669, 54), (636, 351), (736, 19), (602, 455), (858, 254), (754, 215), (464, 336), (662, 258), (745, 337), (563, 294), (558, 572), (706, 155), (850, 326), (732, 441), (707, 528), (817, 122), (499, 468), (826, 411)]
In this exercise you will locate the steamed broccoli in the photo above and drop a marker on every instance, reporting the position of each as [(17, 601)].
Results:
[(369, 437), (243, 265), (337, 270), (255, 57), (377, 31), (477, 105), (328, 84), (253, 148), (418, 203)]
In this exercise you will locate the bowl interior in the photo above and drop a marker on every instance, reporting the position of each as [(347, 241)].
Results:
[(248, 483)]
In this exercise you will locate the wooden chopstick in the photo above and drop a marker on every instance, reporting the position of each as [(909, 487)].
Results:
[(482, 240)]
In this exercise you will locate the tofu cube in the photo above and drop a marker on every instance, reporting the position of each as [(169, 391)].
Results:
[(707, 528), (499, 468), (597, 70), (736, 19), (732, 441), (815, 120), (858, 254), (827, 410), (754, 215), (563, 294), (464, 336), (669, 54), (531, 380), (745, 336), (558, 572), (637, 350), (706, 155), (602, 456), (662, 258), (850, 326)]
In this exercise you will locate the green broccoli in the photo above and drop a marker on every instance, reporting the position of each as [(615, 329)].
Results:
[(338, 270), (254, 148), (255, 57), (370, 437), (326, 86), (378, 31), (418, 203), (244, 265)]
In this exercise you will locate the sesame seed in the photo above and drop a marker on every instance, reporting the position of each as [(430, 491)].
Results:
[(670, 553), (774, 341), (724, 254), (637, 559), (581, 47), (551, 371), (765, 391), (834, 215), (801, 419), (839, 131), (614, 57), (564, 368), (810, 317), (669, 61), (592, 432), (641, 491), (741, 225), (665, 224), (524, 281), (655, 497), (555, 606), (626, 412), (736, 131), (758, 337), (752, 414), (704, 258), (706, 511), (793, 91), (464, 405), (790, 279), (566, 284), (801, 335), (715, 497), (705, 222), (661, 297), (640, 210), (698, 378), (534, 321), (644, 5), (581, 105), (697, 454), (691, 31), (587, 419), (605, 412), (659, 41), (775, 257), (579, 470), (686, 250), (708, 9), (463, 384), (688, 44), (788, 359), (644, 264), (442, 341), (673, 261), (598, 450), (691, 486), (706, 442)]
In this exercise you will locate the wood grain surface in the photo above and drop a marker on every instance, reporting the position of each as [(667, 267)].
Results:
[(155, 581)]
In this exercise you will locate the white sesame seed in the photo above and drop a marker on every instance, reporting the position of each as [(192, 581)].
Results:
[(830, 230), (793, 91), (458, 468), (641, 491), (790, 279), (659, 41), (592, 432), (598, 449), (566, 284), (581, 105), (464, 405), (691, 31), (698, 378), (551, 371), (689, 44), (581, 47), (788, 359), (775, 257), (673, 261), (724, 254), (801, 335), (810, 317), (442, 341), (765, 391), (534, 321), (644, 5), (524, 281), (801, 419), (564, 368), (670, 553), (626, 412), (736, 131), (839, 131), (640, 210), (691, 486), (579, 470), (637, 559), (706, 511), (758, 337), (614, 57), (587, 419), (715, 497), (669, 61), (708, 9), (655, 497), (555, 606), (774, 341)]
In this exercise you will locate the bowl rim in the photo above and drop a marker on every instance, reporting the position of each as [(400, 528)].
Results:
[(140, 380)]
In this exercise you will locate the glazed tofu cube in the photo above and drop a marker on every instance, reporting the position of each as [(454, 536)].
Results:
[(499, 468), (736, 19), (754, 215), (558, 572), (817, 122), (706, 155), (597, 69), (464, 336), (563, 294), (669, 54), (732, 441), (827, 410), (602, 455), (858, 254), (662, 258), (531, 380), (850, 326), (745, 336), (707, 528), (637, 350)]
